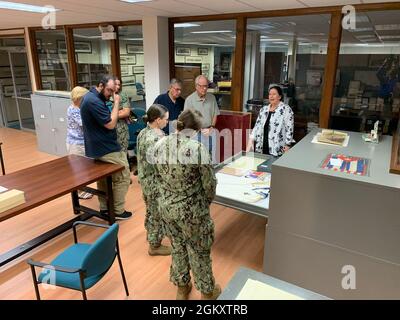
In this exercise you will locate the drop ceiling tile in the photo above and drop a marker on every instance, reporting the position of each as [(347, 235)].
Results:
[(324, 3)]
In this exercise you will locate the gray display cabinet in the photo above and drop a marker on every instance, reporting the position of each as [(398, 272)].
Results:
[(236, 284), (223, 194), (50, 114), (335, 233)]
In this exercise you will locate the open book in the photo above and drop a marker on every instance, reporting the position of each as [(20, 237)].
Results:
[(332, 137)]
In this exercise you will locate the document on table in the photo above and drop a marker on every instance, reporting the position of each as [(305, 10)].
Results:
[(256, 290), (2, 189)]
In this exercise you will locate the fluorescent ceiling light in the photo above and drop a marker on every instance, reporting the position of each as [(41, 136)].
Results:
[(387, 27), (390, 37), (135, 1), (26, 7), (186, 25), (361, 29), (212, 31), (272, 40), (361, 18)]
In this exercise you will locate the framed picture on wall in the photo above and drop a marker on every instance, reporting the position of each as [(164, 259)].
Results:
[(129, 80), (83, 46), (193, 59), (134, 48), (202, 51), (139, 69), (47, 85), (124, 70), (182, 51), (8, 91), (80, 46), (128, 59)]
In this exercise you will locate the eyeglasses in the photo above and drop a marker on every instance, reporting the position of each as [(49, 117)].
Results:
[(202, 85)]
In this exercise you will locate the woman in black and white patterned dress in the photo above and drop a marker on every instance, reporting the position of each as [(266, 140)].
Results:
[(273, 131)]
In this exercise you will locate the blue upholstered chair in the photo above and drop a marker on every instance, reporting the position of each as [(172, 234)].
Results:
[(82, 265), (140, 90), (136, 127)]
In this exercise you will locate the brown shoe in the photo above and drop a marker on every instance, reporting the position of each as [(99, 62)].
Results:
[(183, 292), (159, 251), (212, 295)]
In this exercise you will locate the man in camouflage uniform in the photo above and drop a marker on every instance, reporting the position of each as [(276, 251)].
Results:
[(148, 177), (187, 186)]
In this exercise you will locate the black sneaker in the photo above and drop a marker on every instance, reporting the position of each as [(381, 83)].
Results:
[(124, 216)]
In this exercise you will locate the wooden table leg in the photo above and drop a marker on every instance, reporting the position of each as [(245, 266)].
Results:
[(2, 160), (110, 200)]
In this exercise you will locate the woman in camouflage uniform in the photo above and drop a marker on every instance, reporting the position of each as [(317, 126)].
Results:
[(156, 119), (187, 188), (123, 115)]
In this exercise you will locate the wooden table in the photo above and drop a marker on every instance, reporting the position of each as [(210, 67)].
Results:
[(51, 180)]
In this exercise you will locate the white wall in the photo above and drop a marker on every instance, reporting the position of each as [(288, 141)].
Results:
[(156, 56)]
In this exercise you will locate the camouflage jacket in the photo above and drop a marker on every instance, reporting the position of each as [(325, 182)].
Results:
[(187, 178), (147, 172)]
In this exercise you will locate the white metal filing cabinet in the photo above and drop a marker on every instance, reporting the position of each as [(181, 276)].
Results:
[(50, 114)]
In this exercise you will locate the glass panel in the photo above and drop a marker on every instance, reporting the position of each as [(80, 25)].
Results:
[(93, 56), (23, 89), (132, 64), (291, 52), (207, 48), (368, 74), (53, 60)]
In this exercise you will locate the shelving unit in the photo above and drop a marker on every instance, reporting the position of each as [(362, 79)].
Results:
[(89, 74), (54, 71)]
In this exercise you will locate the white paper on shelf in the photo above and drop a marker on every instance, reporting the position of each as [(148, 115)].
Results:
[(256, 290)]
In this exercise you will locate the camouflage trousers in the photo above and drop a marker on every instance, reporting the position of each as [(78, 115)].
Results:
[(122, 135), (153, 223), (191, 241)]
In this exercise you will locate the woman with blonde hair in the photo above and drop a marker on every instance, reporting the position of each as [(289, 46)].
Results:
[(75, 141)]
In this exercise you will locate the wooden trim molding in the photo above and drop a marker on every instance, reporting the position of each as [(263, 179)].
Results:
[(237, 86), (335, 34), (115, 55), (35, 59), (69, 40), (395, 157)]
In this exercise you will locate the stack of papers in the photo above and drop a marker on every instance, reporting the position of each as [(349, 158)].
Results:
[(10, 199)]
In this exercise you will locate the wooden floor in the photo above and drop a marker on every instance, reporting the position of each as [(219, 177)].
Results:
[(239, 240)]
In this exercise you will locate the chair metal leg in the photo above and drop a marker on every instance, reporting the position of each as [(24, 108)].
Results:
[(83, 290), (122, 271), (35, 282)]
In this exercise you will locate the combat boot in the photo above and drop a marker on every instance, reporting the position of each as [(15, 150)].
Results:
[(183, 292), (213, 295), (159, 250)]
